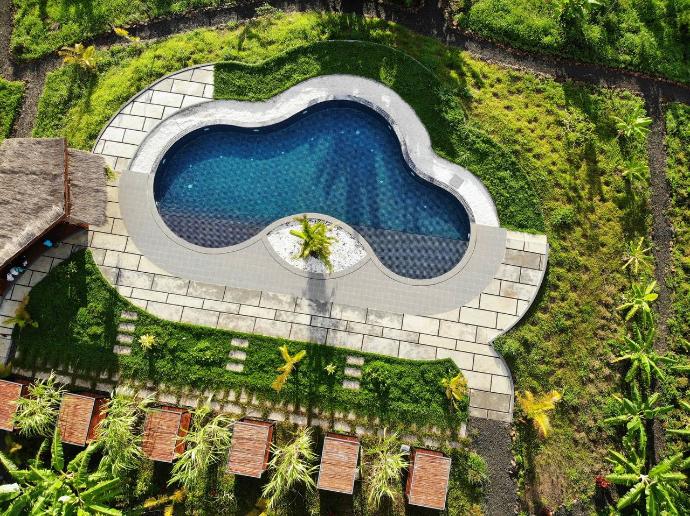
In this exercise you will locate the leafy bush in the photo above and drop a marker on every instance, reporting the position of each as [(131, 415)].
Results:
[(11, 94)]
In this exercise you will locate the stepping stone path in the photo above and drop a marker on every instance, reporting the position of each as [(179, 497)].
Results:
[(237, 356), (353, 370), (125, 330)]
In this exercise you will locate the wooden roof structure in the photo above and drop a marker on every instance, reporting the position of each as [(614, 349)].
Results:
[(164, 430), (251, 447), (427, 481), (10, 392), (339, 459), (79, 416)]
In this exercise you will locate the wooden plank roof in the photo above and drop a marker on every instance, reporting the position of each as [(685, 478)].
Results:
[(251, 443), (428, 480), (338, 467), (79, 415), (163, 430), (9, 394)]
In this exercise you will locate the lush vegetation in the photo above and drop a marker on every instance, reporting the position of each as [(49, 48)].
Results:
[(10, 102), (647, 36)]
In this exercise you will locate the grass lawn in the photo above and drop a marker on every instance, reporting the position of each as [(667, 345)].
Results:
[(11, 94), (651, 37), (561, 136)]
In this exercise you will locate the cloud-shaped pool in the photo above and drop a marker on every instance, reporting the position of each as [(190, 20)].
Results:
[(220, 185)]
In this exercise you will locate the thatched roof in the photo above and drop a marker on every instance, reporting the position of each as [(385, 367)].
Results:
[(42, 182)]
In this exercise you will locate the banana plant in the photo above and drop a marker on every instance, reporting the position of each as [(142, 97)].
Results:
[(636, 411), (642, 356), (637, 257), (287, 368), (58, 490), (639, 299), (634, 125), (456, 388)]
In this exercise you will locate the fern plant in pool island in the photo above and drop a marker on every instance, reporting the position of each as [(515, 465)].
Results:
[(315, 241)]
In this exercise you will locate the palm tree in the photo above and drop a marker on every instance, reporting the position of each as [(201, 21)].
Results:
[(315, 241), (639, 299), (206, 444), (643, 359), (84, 57), (385, 463), (634, 412), (536, 409), (456, 388), (37, 412), (54, 489), (292, 465), (119, 434), (637, 257), (635, 124), (287, 368), (21, 316)]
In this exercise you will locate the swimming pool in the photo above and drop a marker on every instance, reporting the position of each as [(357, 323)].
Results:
[(220, 185)]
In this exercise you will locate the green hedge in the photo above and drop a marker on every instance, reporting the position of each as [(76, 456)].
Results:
[(78, 313), (11, 94)]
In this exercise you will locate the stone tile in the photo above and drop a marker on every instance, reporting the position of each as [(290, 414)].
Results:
[(489, 400), (208, 91), (193, 302), (530, 276), (325, 322), (149, 295), (162, 85), (19, 292), (493, 288), (255, 311), (122, 260), (293, 317), (380, 346), (473, 303), (221, 306), (134, 279), (407, 336), (349, 313), (201, 75), (366, 329), (134, 137), (272, 328), (477, 317), (109, 273), (126, 122), (439, 342), (491, 365), (477, 412), (200, 317), (132, 248), (505, 321), (476, 380), (518, 290), (122, 350), (353, 372), (522, 258), (355, 360), (343, 339), (451, 315), (165, 311), (536, 247), (113, 134), (501, 384), (147, 110), (166, 99), (523, 306), (508, 272), (119, 228), (454, 330), (504, 305), (242, 296), (236, 322), (42, 264), (505, 417), (191, 101), (421, 324), (188, 88), (311, 307), (387, 319), (486, 335), (206, 290), (473, 347), (240, 343), (141, 303), (277, 301), (350, 384), (107, 241), (170, 284), (306, 333), (416, 351), (8, 307), (98, 256), (462, 360)]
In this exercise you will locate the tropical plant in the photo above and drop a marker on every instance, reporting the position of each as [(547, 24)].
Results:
[(635, 172), (124, 33), (287, 368), (85, 57), (292, 465), (576, 10), (639, 299), (169, 501), (118, 433), (642, 356), (635, 124), (147, 341), (637, 257), (330, 368), (58, 490), (315, 241), (206, 443), (21, 316), (385, 463), (536, 408), (456, 388), (636, 410), (37, 412)]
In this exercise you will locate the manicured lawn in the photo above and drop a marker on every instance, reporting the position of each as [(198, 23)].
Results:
[(78, 314), (563, 138), (10, 102), (651, 37)]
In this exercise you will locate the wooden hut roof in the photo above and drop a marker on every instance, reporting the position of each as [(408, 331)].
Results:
[(164, 429), (338, 463), (79, 415), (428, 479), (10, 392), (251, 444)]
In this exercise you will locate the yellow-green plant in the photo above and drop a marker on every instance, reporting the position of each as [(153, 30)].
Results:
[(124, 33), (287, 368), (85, 57), (330, 369), (147, 341), (37, 412), (315, 241), (536, 408), (635, 124), (639, 300), (22, 317), (456, 388), (384, 465), (637, 257)]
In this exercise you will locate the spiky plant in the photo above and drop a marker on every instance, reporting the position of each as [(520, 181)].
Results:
[(37, 412), (456, 388), (637, 257), (287, 368), (384, 463), (634, 172), (147, 341), (21, 316), (639, 299), (85, 57), (634, 412), (644, 360), (536, 409), (315, 241), (634, 125), (292, 466), (205, 445)]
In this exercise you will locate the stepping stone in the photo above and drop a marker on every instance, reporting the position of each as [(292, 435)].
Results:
[(277, 416), (360, 431), (168, 398), (298, 420), (341, 426), (431, 443), (254, 412), (353, 372), (129, 316), (319, 422), (240, 343), (234, 367), (125, 339), (350, 384), (355, 360), (126, 327), (237, 355), (122, 350)]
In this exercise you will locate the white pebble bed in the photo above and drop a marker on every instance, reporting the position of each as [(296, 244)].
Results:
[(345, 252)]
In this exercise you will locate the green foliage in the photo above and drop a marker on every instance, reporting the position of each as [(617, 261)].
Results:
[(637, 257), (11, 94), (643, 359), (384, 466), (637, 410), (634, 125), (84, 57), (21, 317), (639, 299), (36, 413), (315, 241), (290, 363)]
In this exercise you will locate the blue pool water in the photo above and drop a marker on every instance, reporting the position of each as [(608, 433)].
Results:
[(220, 185)]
